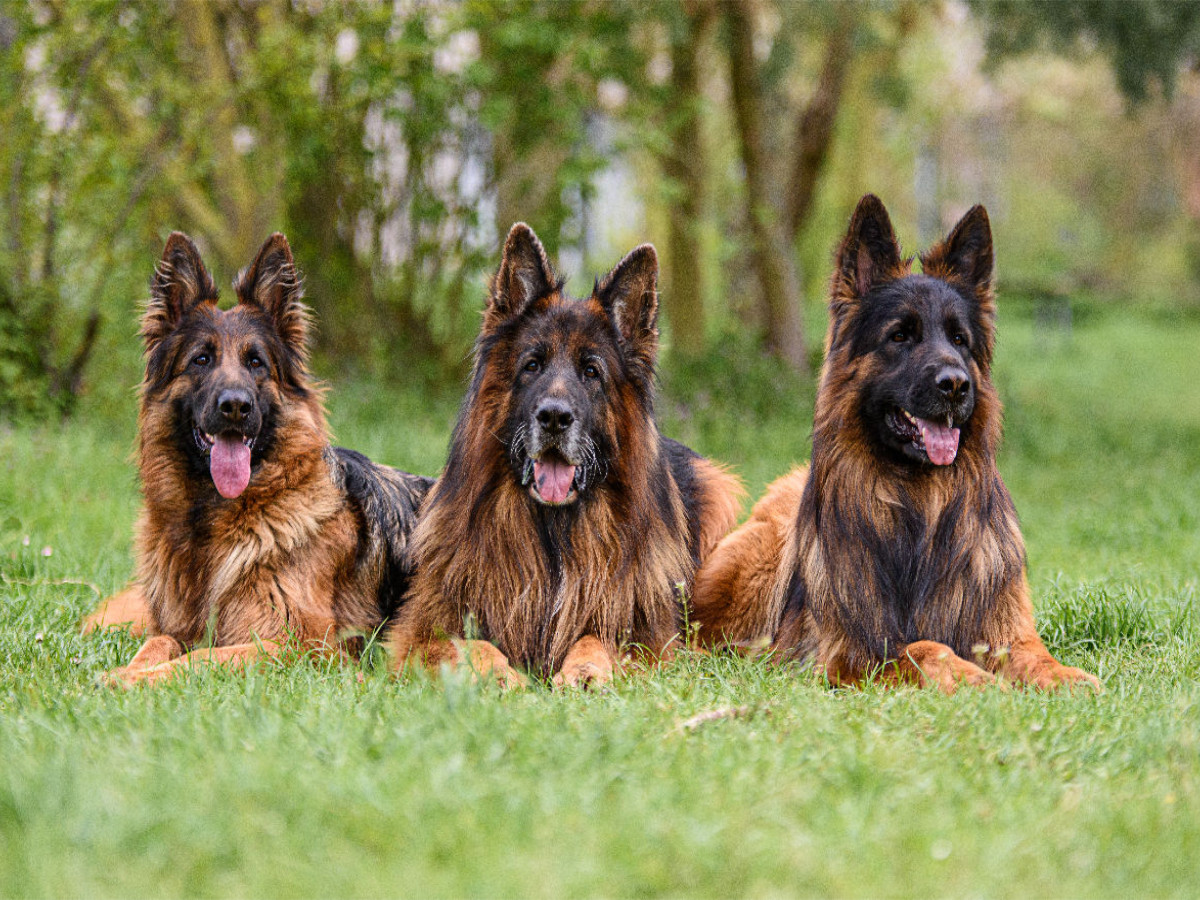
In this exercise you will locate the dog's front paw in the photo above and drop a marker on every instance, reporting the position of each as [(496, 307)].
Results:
[(485, 660), (588, 665), (121, 678), (941, 667), (585, 674), (1069, 678)]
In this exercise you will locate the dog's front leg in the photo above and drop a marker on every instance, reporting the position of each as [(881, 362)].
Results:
[(1030, 662), (231, 655), (157, 651), (588, 665), (482, 658), (932, 663)]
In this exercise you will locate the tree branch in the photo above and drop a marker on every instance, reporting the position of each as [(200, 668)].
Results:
[(815, 128), (774, 264)]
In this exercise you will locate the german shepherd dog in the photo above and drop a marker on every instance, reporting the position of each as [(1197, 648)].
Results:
[(253, 528), (898, 550), (565, 528)]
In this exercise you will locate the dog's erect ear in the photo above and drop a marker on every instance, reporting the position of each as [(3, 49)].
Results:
[(180, 282), (966, 253), (272, 284), (525, 275), (966, 258), (870, 253), (629, 293)]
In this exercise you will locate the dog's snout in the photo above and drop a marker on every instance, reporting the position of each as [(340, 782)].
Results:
[(953, 382), (554, 415), (235, 404)]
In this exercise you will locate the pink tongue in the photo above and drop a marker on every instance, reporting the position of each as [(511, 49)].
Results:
[(941, 442), (229, 464), (553, 478)]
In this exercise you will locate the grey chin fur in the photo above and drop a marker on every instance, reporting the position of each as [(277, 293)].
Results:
[(579, 449)]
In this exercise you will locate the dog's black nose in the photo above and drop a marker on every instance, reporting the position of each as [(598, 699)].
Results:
[(953, 382), (235, 404), (554, 415)]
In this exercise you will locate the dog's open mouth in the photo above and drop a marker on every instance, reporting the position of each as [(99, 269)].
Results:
[(552, 479), (938, 441), (228, 460)]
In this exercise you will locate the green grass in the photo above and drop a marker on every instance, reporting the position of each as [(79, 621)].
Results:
[(303, 780)]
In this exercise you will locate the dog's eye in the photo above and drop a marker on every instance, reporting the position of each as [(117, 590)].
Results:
[(591, 370), (533, 366), (899, 337), (960, 340), (255, 362), (201, 359)]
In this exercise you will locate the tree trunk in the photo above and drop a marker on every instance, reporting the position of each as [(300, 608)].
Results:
[(527, 185), (249, 202), (686, 167), (773, 258), (1185, 125), (814, 131)]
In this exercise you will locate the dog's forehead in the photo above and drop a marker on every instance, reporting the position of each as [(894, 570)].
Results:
[(236, 325), (920, 295), (559, 322)]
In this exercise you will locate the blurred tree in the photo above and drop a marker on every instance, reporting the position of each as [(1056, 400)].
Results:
[(125, 120), (687, 30), (774, 264), (67, 193), (536, 81), (1146, 41), (376, 135), (396, 143), (1150, 43), (784, 143)]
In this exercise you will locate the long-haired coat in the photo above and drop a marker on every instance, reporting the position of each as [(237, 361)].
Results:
[(898, 550), (254, 529), (565, 527)]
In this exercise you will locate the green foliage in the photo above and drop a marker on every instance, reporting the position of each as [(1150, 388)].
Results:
[(1147, 41), (536, 80), (396, 143), (22, 383), (373, 134)]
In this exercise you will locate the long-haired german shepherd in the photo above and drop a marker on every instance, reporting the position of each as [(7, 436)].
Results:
[(565, 528), (253, 528), (899, 549)]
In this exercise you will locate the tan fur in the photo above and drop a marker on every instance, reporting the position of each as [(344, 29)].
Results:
[(721, 503), (495, 563), (126, 609), (273, 556), (587, 663), (750, 564), (163, 657)]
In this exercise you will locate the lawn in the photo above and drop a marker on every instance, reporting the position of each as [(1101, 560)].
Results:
[(303, 779)]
